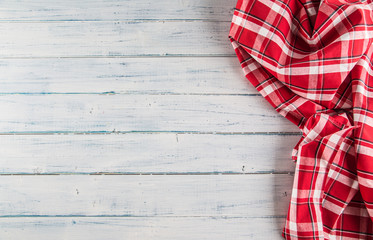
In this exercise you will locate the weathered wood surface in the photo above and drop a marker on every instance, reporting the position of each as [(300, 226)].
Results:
[(139, 117), (146, 153), (140, 228), (184, 75), (107, 38), (258, 195), (113, 113), (96, 10)]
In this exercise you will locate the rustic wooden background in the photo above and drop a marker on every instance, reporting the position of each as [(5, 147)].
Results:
[(133, 120)]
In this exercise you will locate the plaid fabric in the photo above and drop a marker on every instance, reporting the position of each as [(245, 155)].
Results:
[(312, 61)]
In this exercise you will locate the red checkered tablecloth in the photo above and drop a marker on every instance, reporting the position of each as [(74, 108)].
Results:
[(312, 60)]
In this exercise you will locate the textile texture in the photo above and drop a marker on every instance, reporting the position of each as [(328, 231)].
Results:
[(312, 61)]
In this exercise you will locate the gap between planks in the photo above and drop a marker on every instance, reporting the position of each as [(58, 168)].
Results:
[(166, 55), (129, 20), (131, 93), (135, 216), (149, 132), (151, 174)]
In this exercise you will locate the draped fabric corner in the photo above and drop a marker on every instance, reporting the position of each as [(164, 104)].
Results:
[(312, 61)]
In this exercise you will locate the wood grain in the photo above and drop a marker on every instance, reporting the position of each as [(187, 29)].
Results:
[(133, 120), (166, 153), (140, 228), (259, 195), (179, 75), (97, 39), (113, 113), (98, 10)]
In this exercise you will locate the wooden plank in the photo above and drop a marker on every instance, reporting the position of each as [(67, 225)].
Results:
[(258, 195), (94, 10), (79, 39), (166, 153), (158, 228), (207, 75), (111, 113)]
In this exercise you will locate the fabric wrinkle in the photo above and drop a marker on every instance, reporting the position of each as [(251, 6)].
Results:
[(312, 61)]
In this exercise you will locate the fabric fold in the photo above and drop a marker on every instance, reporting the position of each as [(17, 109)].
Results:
[(312, 61), (323, 186)]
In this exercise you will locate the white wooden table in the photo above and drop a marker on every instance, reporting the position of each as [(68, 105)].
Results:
[(133, 120)]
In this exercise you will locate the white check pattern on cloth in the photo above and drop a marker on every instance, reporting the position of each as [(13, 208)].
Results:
[(312, 60)]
